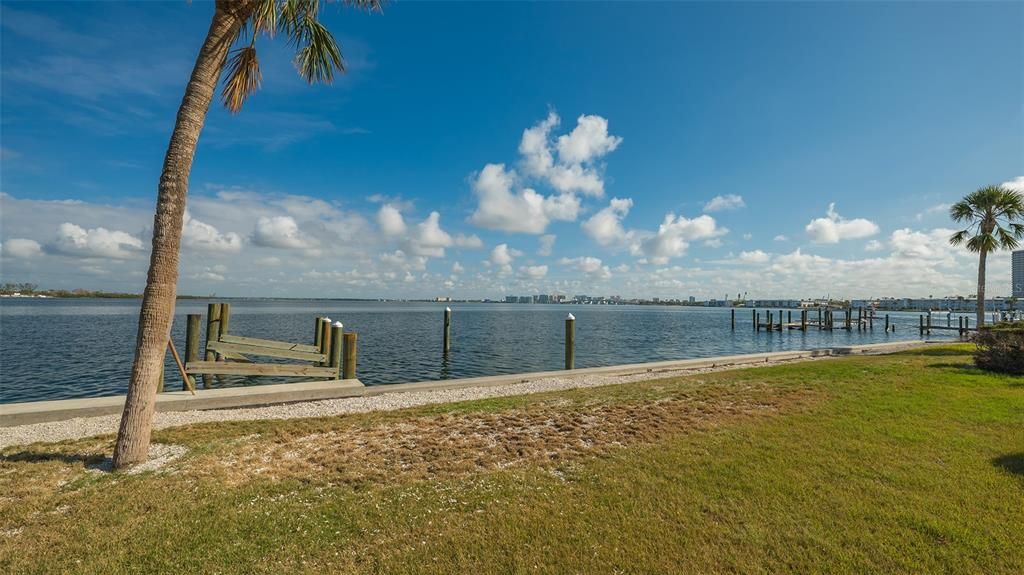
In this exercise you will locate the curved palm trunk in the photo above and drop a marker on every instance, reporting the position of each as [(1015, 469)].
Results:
[(981, 289), (161, 284)]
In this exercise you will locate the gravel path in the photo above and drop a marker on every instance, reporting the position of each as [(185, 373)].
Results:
[(91, 426)]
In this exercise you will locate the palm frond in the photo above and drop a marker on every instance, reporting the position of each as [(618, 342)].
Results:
[(368, 5), (244, 78), (961, 211), (319, 54), (959, 237), (264, 17)]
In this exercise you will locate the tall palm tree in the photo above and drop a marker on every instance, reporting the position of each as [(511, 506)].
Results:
[(991, 213), (240, 22)]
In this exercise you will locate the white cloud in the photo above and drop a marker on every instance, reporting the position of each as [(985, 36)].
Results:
[(780, 238), (281, 232), (507, 203), (748, 236), (471, 241), (911, 244), (533, 272), (591, 266), (201, 236), (500, 209), (938, 208), (399, 260), (270, 261), (874, 246), (673, 237), (74, 240), (588, 141), (726, 202), (22, 248), (429, 239), (546, 244), (390, 220), (605, 227), (502, 256), (834, 228), (209, 274), (1016, 184), (457, 268), (754, 257)]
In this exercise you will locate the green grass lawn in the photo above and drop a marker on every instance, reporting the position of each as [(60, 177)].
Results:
[(904, 463)]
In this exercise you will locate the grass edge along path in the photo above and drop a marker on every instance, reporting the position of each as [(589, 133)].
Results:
[(911, 462)]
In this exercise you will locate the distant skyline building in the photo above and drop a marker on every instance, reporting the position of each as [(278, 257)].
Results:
[(1018, 274)]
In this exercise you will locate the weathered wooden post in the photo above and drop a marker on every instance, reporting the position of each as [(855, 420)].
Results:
[(803, 320), (212, 335), (780, 320), (318, 332), (929, 323), (920, 328), (337, 335), (733, 318), (325, 338), (753, 318), (225, 318), (192, 344), (447, 329), (886, 323), (349, 363), (570, 341), (160, 383), (960, 323), (768, 320)]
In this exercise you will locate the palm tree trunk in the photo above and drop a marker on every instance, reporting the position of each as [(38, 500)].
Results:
[(981, 289), (157, 312)]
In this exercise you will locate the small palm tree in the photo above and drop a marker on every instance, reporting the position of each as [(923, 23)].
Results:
[(235, 22), (992, 213)]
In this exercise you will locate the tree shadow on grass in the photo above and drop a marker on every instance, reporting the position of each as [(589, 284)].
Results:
[(91, 460), (940, 352), (964, 367), (1012, 463)]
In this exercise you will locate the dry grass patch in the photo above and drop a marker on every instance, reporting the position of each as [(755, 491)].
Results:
[(459, 444)]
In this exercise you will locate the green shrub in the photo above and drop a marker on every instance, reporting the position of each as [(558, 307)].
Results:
[(1001, 348)]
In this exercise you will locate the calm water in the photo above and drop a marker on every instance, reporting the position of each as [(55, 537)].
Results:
[(58, 349)]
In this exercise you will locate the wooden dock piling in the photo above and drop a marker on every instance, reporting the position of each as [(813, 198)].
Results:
[(318, 332), (570, 342), (733, 318), (212, 336), (325, 338), (192, 328), (337, 340), (225, 318), (447, 329), (351, 342)]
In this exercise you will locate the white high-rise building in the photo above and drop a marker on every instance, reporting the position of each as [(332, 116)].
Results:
[(1018, 274)]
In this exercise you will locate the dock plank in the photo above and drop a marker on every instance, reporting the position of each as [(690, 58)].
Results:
[(278, 369), (273, 344), (231, 349)]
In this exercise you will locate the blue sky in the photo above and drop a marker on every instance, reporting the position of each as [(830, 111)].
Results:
[(640, 115)]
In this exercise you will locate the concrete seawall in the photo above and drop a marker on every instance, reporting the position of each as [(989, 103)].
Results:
[(13, 414)]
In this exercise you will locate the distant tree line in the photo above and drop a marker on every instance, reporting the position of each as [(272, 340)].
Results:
[(32, 289)]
